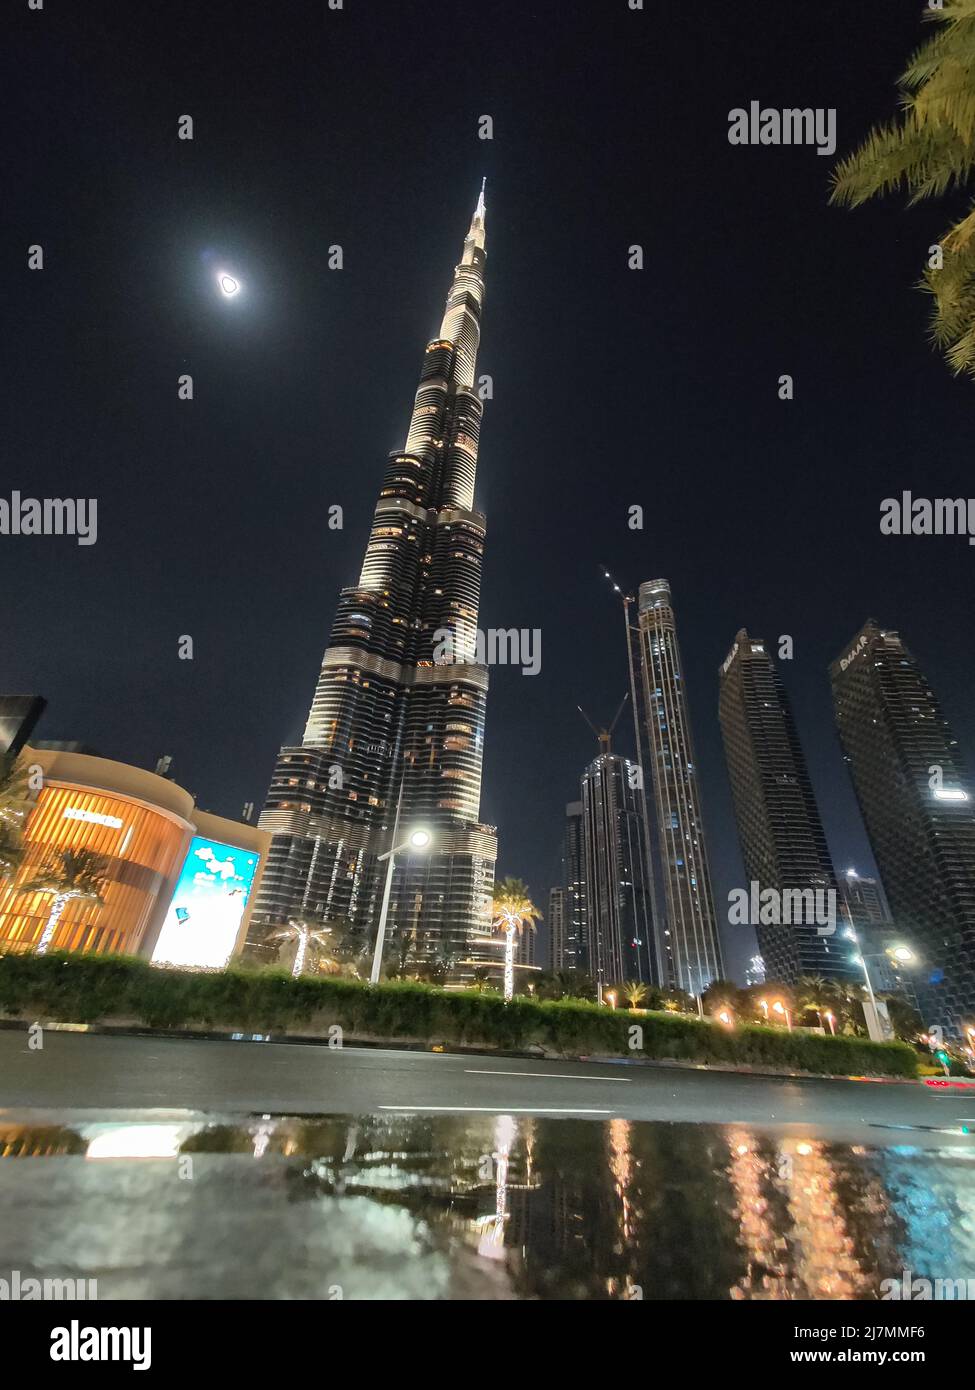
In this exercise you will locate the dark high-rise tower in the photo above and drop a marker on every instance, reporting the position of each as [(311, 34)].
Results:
[(556, 931), (575, 935), (618, 911), (395, 729), (916, 801), (690, 946), (783, 843)]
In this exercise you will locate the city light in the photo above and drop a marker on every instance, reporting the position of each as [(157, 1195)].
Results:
[(420, 839), (779, 1008), (228, 284), (950, 794)]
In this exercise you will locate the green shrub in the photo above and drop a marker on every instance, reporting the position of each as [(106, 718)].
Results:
[(89, 988)]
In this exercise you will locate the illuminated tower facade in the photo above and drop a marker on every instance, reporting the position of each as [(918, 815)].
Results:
[(916, 800), (574, 949), (688, 937), (619, 919), (394, 738), (556, 929), (783, 844)]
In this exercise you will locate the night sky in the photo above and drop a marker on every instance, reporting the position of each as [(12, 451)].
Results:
[(612, 387)]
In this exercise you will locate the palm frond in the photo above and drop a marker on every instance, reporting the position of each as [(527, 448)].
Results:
[(929, 151)]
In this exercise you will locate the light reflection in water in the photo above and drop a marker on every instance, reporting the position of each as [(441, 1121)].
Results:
[(486, 1206)]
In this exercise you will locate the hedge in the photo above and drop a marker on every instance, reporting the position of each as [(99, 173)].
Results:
[(80, 988)]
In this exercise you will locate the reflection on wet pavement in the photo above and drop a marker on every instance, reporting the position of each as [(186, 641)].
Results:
[(181, 1205)]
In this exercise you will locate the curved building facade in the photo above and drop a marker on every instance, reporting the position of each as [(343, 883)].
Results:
[(141, 827), (783, 844)]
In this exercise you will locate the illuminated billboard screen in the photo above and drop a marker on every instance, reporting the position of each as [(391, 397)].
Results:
[(204, 916)]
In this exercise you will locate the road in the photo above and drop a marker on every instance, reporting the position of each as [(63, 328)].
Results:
[(78, 1071)]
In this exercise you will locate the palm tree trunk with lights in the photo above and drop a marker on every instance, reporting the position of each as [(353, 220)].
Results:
[(74, 874), (54, 916), (509, 962), (513, 911)]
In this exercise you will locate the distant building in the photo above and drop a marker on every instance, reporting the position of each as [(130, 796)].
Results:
[(575, 945), (783, 844), (177, 882), (865, 909), (526, 947), (690, 948), (755, 973), (915, 796), (556, 928), (864, 900), (18, 718), (619, 917)]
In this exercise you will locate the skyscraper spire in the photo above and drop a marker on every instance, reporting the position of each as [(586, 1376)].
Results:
[(394, 728)]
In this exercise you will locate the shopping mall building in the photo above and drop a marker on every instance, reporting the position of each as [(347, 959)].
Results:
[(176, 883)]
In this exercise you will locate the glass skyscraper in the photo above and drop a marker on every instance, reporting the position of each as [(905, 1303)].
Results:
[(395, 734), (689, 942), (783, 844), (619, 923), (916, 800), (574, 945)]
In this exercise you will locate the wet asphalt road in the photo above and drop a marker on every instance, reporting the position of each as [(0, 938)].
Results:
[(77, 1071)]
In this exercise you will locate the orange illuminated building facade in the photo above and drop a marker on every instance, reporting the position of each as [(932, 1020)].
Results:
[(140, 826)]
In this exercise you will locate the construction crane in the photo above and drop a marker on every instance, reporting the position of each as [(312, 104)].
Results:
[(605, 735)]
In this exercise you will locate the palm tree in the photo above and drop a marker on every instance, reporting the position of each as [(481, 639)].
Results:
[(928, 151), (635, 991), (310, 935), (14, 805), (74, 874), (513, 911)]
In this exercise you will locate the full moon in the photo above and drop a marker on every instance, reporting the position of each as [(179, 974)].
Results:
[(229, 285)]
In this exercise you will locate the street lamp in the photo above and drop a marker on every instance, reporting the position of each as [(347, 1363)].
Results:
[(611, 996), (874, 1028), (763, 1004), (725, 1017), (829, 1019), (418, 839), (902, 953), (779, 1008)]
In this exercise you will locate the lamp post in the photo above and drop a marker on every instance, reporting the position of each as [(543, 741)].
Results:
[(417, 839), (859, 959), (780, 1008), (902, 954)]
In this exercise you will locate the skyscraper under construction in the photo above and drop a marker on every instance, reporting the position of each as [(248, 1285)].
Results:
[(394, 738)]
